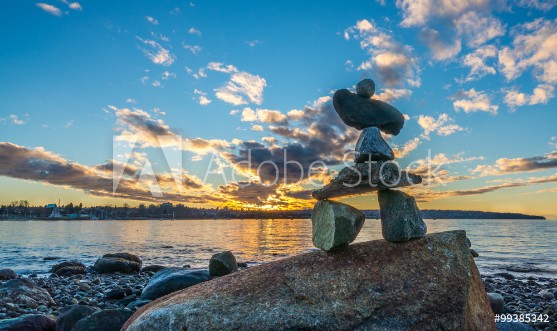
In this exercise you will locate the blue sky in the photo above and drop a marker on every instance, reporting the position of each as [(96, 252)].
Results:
[(475, 78)]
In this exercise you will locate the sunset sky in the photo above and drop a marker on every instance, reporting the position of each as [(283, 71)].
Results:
[(205, 81)]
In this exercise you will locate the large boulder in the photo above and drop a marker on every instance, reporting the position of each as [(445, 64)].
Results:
[(334, 224), (401, 220), (68, 268), (361, 112), (430, 283), (28, 323), (366, 177), (171, 280), (7, 274), (222, 264), (25, 292), (497, 302), (120, 262), (104, 320), (71, 315)]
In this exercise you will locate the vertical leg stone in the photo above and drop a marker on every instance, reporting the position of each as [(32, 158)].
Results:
[(401, 219), (335, 224)]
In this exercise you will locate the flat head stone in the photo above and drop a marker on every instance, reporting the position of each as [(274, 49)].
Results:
[(372, 147), (361, 113), (335, 224), (401, 219)]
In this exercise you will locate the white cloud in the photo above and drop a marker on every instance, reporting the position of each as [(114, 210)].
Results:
[(69, 124), (75, 6), (157, 54), (242, 88), (254, 43), (193, 30), (409, 146), (541, 94), (131, 100), (53, 10), (152, 20), (264, 116), (544, 5), (418, 12), (534, 46), (167, 75), (388, 95), (193, 48), (256, 127), (477, 30), (157, 83), (202, 97), (16, 120), (391, 61), (477, 62), (441, 49), (220, 67), (444, 125), (473, 101)]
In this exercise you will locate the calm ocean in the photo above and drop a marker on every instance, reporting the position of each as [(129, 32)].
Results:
[(504, 245)]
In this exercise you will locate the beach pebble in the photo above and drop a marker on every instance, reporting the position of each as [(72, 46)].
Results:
[(401, 219), (71, 315), (366, 88), (119, 262), (153, 268), (372, 147), (137, 303), (171, 280), (222, 264), (335, 224), (497, 302), (547, 295), (7, 274), (24, 292), (28, 323), (513, 326), (106, 320)]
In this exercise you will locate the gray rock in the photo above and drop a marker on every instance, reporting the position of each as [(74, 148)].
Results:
[(153, 268), (69, 268), (364, 178), (137, 303), (222, 264), (497, 302), (118, 293), (430, 283), (360, 113), (401, 219), (547, 295), (474, 253), (28, 323), (120, 262), (372, 147), (105, 320), (513, 326), (170, 280), (7, 274), (71, 315), (24, 292), (365, 88), (335, 224)]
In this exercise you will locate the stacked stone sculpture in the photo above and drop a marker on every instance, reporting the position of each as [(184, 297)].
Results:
[(336, 225)]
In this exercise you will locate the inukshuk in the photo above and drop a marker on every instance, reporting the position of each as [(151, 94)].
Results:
[(336, 224)]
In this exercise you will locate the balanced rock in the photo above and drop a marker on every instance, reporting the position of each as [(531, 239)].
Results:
[(24, 292), (120, 262), (430, 283), (170, 280), (71, 315), (222, 264), (372, 147), (365, 88), (335, 224), (401, 219), (7, 274), (28, 323), (364, 178), (105, 320), (360, 113)]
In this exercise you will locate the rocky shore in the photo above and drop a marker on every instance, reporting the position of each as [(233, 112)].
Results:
[(117, 292)]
